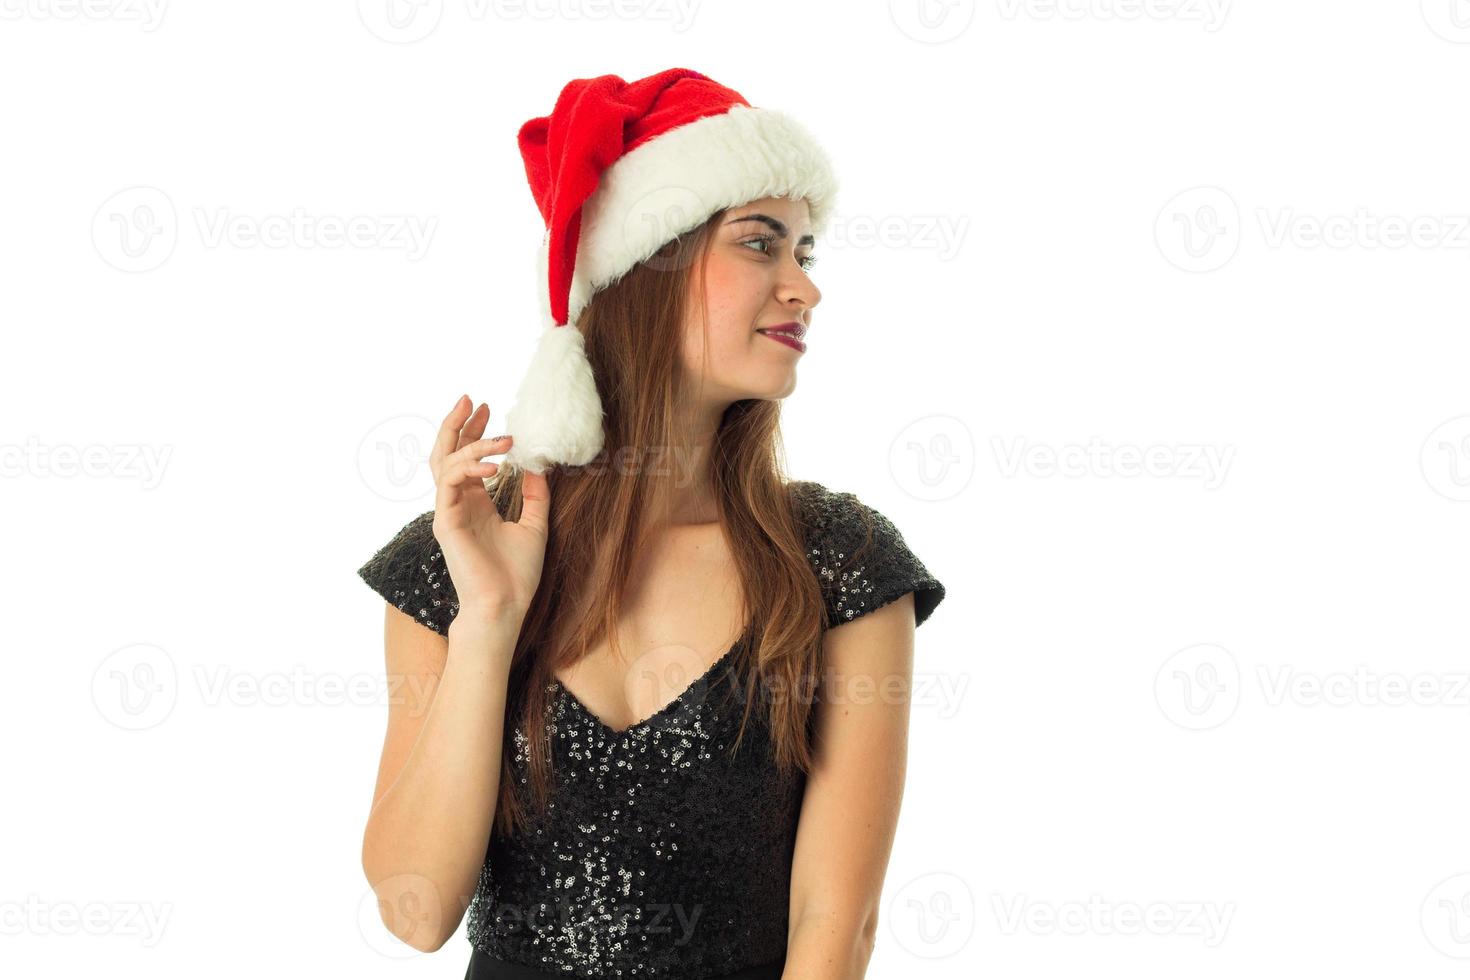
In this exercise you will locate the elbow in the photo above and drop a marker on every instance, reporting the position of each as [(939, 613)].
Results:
[(409, 906), (865, 935), (410, 909), (414, 934), (868, 935), (426, 943), (421, 901), (836, 936)]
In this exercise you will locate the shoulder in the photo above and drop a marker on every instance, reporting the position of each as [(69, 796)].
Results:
[(408, 571), (861, 558), (818, 506), (838, 517)]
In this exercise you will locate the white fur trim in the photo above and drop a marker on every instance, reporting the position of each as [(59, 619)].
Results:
[(557, 417)]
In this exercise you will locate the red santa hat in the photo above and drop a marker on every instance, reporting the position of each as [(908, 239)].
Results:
[(618, 169)]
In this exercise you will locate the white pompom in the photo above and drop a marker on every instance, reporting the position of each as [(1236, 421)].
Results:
[(557, 416)]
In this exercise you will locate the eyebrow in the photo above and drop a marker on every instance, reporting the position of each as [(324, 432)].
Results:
[(776, 226)]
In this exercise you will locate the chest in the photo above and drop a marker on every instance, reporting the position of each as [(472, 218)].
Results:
[(683, 611)]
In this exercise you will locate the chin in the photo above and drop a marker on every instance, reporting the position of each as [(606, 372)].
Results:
[(776, 392), (766, 385)]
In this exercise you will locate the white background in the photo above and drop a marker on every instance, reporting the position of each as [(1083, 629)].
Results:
[(1196, 230)]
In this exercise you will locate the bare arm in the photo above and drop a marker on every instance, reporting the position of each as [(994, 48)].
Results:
[(439, 778), (849, 812)]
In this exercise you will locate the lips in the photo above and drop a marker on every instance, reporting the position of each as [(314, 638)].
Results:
[(794, 330)]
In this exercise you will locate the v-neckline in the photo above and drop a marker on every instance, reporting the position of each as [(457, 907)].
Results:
[(576, 702)]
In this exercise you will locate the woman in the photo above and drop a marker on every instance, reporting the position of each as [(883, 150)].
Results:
[(653, 705)]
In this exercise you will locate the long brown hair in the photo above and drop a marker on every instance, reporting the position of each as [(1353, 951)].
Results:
[(600, 513)]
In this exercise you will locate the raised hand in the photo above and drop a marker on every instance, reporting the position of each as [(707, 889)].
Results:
[(495, 564)]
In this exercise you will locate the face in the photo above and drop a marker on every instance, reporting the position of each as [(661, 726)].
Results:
[(756, 276)]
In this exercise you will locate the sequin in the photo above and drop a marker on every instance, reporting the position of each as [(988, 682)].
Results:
[(664, 851), (861, 558)]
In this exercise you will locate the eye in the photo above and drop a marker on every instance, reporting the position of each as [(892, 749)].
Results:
[(768, 240)]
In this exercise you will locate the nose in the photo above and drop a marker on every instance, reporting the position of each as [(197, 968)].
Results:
[(796, 291)]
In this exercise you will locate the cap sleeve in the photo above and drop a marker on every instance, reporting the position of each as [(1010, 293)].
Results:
[(409, 572), (863, 561)]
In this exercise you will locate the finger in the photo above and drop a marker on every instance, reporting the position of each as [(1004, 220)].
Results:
[(535, 501), (462, 475), (482, 447), (474, 428), (447, 438)]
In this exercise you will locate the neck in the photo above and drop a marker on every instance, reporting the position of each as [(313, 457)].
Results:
[(692, 498)]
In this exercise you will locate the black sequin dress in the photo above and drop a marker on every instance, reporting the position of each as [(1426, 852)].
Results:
[(661, 853)]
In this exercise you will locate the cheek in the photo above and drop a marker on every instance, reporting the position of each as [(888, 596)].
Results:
[(734, 295)]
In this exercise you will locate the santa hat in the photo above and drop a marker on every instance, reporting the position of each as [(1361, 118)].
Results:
[(618, 169)]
